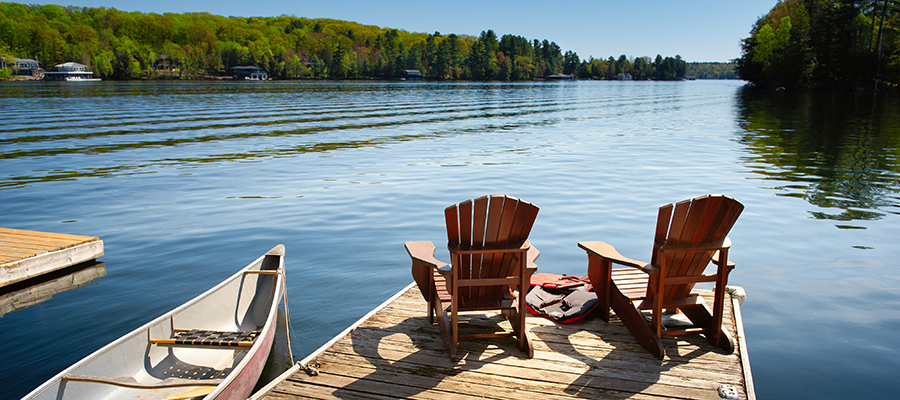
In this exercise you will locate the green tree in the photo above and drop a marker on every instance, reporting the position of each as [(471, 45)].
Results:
[(802, 43), (482, 60), (570, 62), (504, 67), (8, 59), (623, 66), (669, 69), (523, 69), (611, 68), (479, 62), (126, 45)]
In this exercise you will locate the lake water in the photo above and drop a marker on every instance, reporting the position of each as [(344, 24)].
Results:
[(188, 182)]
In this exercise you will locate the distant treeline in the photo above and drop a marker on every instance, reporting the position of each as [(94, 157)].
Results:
[(135, 45), (711, 70), (824, 43)]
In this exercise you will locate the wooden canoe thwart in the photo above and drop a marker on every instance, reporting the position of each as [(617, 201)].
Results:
[(27, 254)]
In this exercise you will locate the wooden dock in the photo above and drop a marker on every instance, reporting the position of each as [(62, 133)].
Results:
[(27, 254), (393, 352)]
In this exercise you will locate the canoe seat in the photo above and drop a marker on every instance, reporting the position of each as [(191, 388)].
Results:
[(201, 337)]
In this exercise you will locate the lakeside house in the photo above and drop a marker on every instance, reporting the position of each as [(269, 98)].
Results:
[(23, 67), (162, 63), (165, 66), (250, 73), (623, 77), (70, 71), (411, 74)]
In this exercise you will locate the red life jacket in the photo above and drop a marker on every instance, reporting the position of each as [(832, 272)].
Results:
[(561, 298)]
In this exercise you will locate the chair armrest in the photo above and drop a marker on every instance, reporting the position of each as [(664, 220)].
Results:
[(423, 252), (609, 253), (531, 257), (715, 260)]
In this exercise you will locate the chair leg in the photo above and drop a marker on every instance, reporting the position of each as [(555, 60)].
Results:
[(444, 326), (454, 327), (431, 305), (524, 340), (518, 324), (600, 274), (635, 322), (701, 317)]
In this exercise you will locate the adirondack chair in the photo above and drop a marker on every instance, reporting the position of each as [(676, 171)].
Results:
[(490, 256), (689, 235)]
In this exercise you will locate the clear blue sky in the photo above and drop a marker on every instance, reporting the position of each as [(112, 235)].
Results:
[(698, 30)]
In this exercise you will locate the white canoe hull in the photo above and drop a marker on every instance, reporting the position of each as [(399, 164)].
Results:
[(246, 301)]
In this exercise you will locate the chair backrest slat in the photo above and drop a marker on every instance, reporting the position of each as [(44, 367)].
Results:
[(479, 220), (451, 216), (699, 220), (700, 214), (662, 230), (485, 222)]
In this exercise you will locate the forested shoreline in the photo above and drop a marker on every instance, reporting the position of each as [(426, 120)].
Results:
[(135, 45), (711, 70), (842, 44)]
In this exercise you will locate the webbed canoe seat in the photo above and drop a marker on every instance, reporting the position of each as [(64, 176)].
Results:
[(200, 337)]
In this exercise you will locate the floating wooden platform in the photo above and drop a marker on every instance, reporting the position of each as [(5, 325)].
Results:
[(393, 352), (27, 254)]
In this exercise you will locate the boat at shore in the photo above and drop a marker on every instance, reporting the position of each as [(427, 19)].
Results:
[(214, 346)]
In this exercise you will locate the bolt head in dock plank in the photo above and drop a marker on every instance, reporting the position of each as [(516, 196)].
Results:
[(394, 352), (28, 254)]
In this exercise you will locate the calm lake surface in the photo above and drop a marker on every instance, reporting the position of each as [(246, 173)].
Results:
[(188, 182)]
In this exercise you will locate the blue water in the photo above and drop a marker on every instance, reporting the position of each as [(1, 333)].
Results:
[(188, 182)]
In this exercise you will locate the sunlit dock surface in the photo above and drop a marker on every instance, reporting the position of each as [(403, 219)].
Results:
[(393, 352), (28, 254)]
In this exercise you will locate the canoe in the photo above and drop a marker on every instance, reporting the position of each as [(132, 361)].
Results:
[(212, 347)]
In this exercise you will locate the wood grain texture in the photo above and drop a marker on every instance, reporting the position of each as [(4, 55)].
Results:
[(396, 353), (27, 254)]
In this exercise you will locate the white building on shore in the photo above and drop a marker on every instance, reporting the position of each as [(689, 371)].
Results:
[(70, 71)]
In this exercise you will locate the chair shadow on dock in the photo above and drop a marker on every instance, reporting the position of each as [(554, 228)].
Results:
[(397, 353), (408, 357), (613, 365)]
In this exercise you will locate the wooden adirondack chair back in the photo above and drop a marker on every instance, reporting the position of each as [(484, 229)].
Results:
[(485, 222), (694, 221)]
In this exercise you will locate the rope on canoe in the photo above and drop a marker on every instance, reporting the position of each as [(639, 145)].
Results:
[(311, 370), (287, 311)]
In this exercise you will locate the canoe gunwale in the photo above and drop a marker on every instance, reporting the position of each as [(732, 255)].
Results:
[(266, 336)]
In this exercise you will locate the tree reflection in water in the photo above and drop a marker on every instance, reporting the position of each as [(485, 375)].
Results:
[(840, 151)]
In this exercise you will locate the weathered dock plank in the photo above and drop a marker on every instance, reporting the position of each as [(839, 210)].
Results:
[(27, 254), (395, 353)]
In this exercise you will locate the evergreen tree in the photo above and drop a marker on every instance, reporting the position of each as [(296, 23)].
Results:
[(802, 43)]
